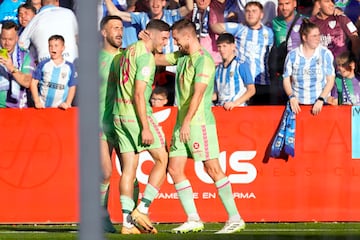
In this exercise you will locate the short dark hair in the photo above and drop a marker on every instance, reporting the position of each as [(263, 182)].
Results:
[(8, 24), (29, 6), (160, 90), (225, 38), (106, 19), (57, 37), (158, 25), (255, 3), (184, 24)]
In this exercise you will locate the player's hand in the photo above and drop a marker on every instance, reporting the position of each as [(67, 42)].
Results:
[(185, 133), (147, 137), (338, 12), (294, 105), (39, 105), (7, 62), (316, 109), (143, 35), (228, 106), (64, 106)]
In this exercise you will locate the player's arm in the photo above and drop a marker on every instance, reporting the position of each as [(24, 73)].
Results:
[(330, 80), (218, 28), (199, 90), (248, 80), (331, 100), (161, 60), (185, 10), (35, 93), (214, 96), (140, 107), (250, 91), (294, 103), (125, 16), (317, 107), (70, 98), (23, 79)]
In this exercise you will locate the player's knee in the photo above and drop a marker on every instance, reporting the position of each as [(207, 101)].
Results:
[(162, 159), (107, 174), (174, 172), (213, 172)]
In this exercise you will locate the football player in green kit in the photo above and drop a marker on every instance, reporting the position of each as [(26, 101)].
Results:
[(136, 128), (195, 133), (111, 30)]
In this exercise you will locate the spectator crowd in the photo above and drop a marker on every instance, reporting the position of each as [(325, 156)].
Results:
[(249, 70)]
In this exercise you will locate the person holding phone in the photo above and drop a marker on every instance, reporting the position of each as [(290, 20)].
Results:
[(16, 67)]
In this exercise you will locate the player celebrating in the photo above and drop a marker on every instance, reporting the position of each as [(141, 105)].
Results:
[(195, 129), (135, 125)]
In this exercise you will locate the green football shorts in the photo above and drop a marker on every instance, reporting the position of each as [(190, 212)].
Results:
[(128, 131), (203, 144)]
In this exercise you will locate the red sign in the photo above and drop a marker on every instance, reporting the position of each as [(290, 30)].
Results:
[(39, 173)]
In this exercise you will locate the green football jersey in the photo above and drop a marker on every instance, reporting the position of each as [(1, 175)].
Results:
[(105, 107), (198, 67), (136, 64)]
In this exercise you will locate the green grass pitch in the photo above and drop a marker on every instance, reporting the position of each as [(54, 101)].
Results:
[(253, 231)]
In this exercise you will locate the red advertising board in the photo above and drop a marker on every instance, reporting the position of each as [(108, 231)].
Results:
[(39, 168)]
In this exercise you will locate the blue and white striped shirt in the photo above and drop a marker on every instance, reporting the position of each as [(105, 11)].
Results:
[(253, 47), (231, 81), (54, 81), (169, 16), (308, 75), (130, 31)]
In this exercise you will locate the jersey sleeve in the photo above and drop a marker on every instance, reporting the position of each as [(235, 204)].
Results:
[(172, 58), (233, 28), (28, 66), (329, 63), (139, 18), (347, 25), (25, 37), (37, 74), (204, 70), (245, 73), (73, 81), (145, 67)]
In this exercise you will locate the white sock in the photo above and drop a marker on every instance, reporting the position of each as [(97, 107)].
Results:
[(193, 217), (235, 218)]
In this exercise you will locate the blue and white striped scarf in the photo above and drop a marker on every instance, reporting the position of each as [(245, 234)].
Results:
[(201, 20), (284, 140)]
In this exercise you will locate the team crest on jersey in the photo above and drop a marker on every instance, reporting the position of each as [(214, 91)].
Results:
[(231, 74), (332, 24), (196, 145), (266, 36), (145, 71), (296, 28), (63, 74)]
